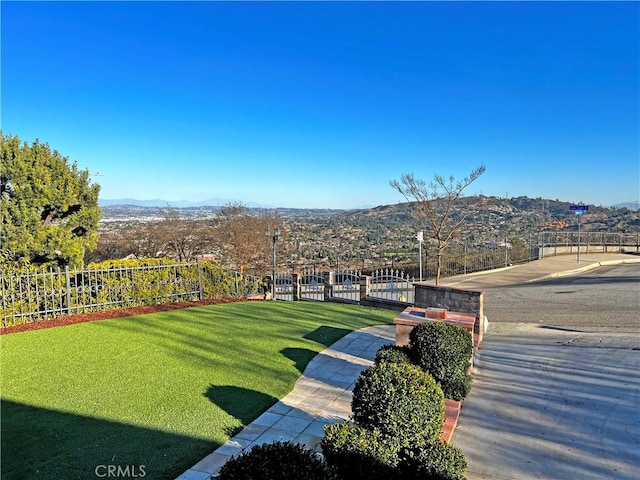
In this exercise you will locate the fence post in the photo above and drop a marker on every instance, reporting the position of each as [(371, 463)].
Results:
[(365, 285), (619, 242), (200, 292), (328, 286), (464, 261), (68, 288), (295, 286)]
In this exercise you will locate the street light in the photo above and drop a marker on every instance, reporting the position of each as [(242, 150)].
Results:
[(274, 239)]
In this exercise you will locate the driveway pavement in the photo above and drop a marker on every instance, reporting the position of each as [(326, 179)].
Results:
[(548, 402), (552, 404)]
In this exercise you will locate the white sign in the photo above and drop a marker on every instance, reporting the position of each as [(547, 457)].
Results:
[(421, 236)]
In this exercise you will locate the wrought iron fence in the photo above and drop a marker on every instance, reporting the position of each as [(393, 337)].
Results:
[(463, 258), (284, 286), (33, 295), (346, 285), (392, 285), (312, 286)]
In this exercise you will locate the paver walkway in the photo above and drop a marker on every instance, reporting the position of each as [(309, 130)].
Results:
[(322, 395)]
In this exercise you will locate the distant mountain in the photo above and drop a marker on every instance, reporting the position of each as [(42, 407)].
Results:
[(630, 205), (212, 202)]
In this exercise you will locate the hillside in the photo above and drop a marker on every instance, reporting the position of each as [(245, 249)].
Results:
[(376, 236)]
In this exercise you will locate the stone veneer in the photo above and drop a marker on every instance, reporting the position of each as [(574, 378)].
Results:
[(455, 299)]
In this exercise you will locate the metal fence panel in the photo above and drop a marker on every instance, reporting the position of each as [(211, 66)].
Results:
[(33, 295), (346, 285), (284, 287), (312, 286), (392, 285)]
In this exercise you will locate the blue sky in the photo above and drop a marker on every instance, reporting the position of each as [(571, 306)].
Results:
[(304, 104)]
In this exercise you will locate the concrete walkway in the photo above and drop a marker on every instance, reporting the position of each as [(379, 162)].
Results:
[(322, 395), (549, 267)]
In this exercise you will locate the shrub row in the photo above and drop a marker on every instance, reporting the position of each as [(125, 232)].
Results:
[(398, 410), (31, 294), (398, 414), (275, 461)]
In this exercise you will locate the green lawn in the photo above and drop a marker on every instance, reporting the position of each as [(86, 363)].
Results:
[(160, 390)]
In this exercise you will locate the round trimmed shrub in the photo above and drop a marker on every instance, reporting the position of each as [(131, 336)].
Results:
[(275, 461), (401, 400), (444, 350), (356, 453), (392, 353), (457, 386), (436, 460)]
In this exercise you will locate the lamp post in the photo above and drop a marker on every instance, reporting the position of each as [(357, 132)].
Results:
[(274, 239), (420, 240)]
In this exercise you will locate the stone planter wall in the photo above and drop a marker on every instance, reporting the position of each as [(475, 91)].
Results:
[(455, 299)]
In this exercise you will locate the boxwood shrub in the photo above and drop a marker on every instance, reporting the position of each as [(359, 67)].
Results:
[(436, 460), (392, 353), (401, 400), (356, 453), (275, 461), (444, 350)]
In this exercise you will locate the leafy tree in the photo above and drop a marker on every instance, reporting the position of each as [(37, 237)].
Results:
[(48, 207), (434, 202)]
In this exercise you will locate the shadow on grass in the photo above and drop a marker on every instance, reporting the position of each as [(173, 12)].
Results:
[(327, 335), (41, 443), (241, 403), (299, 356)]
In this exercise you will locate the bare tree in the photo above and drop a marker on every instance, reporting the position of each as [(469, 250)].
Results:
[(183, 239), (433, 202), (242, 235)]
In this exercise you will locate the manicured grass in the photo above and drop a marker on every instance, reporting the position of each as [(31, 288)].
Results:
[(160, 390)]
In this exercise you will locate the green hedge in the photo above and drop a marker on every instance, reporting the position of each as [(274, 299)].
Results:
[(436, 460), (392, 353), (398, 410), (32, 294)]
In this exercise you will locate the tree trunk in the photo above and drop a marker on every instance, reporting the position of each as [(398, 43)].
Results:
[(438, 266)]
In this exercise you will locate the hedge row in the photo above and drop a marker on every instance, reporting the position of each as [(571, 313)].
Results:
[(398, 414), (31, 294)]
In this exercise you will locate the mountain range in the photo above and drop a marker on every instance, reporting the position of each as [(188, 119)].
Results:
[(212, 202), (219, 202)]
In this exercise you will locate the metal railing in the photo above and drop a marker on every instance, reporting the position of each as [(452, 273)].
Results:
[(35, 294)]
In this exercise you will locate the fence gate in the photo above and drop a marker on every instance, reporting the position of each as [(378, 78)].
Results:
[(284, 287), (312, 286), (392, 284), (346, 285)]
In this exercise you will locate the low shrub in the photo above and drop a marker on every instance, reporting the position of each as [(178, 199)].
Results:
[(457, 386), (392, 353), (355, 453), (400, 400), (444, 351), (436, 460), (275, 461)]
